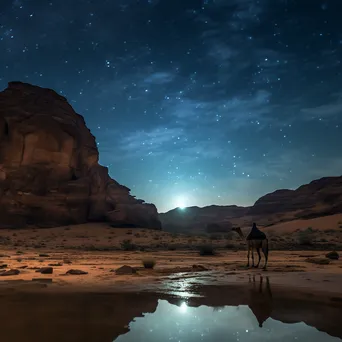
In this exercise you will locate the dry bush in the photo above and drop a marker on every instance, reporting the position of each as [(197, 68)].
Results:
[(127, 245), (305, 237), (149, 263), (206, 250)]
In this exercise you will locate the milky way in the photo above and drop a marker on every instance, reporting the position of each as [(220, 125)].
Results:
[(191, 102)]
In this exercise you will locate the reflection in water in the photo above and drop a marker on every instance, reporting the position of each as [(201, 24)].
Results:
[(261, 300), (249, 312), (251, 322), (169, 323), (183, 308)]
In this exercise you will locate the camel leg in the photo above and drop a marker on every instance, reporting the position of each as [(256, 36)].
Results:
[(248, 250), (265, 251), (252, 256), (258, 251)]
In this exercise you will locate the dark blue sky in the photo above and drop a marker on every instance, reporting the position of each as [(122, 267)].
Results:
[(191, 102)]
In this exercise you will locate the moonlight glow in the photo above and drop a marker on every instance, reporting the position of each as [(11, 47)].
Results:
[(183, 308), (181, 202)]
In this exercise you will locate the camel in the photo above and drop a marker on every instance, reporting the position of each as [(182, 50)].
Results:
[(256, 240)]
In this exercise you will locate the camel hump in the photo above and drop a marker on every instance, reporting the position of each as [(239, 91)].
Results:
[(256, 234)]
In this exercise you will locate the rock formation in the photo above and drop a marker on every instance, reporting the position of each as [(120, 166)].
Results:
[(318, 198), (49, 170), (321, 197), (201, 220)]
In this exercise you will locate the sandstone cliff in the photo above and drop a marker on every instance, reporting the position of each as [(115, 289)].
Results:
[(319, 198), (49, 170)]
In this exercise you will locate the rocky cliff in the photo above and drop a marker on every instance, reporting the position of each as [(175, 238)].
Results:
[(49, 170), (319, 198)]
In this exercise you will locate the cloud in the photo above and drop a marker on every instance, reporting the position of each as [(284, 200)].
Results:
[(332, 109), (235, 112), (152, 142), (159, 78), (221, 52)]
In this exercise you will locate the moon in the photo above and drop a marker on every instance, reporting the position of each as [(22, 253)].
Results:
[(181, 202)]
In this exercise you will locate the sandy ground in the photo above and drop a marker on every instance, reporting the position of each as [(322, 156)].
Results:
[(173, 271), (324, 233), (99, 250)]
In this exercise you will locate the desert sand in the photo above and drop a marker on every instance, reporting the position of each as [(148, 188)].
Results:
[(99, 250)]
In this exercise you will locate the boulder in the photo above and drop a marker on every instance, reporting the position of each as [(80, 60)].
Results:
[(332, 255), (45, 270), (10, 273), (49, 170), (125, 270), (76, 272)]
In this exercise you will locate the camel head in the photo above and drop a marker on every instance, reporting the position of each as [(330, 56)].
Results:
[(239, 231)]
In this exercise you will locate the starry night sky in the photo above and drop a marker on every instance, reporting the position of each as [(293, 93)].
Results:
[(192, 102)]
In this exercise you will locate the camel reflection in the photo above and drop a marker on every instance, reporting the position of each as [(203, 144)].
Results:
[(260, 299)]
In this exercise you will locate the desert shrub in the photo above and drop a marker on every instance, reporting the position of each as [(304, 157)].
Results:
[(127, 245), (137, 235), (171, 248), (149, 263), (215, 237), (206, 250), (305, 237)]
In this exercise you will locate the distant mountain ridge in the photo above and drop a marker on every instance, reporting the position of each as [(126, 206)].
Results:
[(320, 197)]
